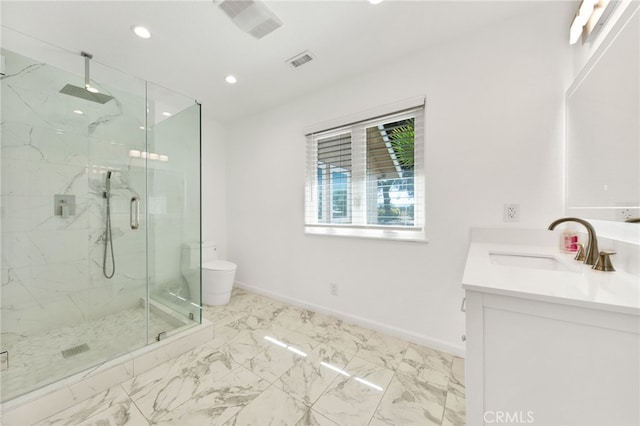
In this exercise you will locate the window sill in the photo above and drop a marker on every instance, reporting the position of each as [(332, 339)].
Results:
[(395, 234)]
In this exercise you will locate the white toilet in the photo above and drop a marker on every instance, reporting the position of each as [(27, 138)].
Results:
[(217, 275)]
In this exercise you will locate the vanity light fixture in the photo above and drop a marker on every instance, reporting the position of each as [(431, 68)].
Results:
[(141, 31), (590, 18)]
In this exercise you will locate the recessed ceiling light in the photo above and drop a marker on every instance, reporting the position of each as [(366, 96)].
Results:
[(166, 114), (231, 79), (77, 111), (140, 31), (375, 1)]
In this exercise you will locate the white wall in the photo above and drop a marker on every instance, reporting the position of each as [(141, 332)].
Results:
[(494, 133), (214, 192)]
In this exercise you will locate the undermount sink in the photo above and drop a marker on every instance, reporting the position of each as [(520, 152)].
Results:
[(530, 261)]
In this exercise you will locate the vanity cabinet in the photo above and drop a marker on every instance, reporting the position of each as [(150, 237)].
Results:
[(533, 361)]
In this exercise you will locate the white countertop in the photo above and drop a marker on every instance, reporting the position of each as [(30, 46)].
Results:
[(580, 286)]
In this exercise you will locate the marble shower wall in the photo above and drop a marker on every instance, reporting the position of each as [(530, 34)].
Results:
[(52, 266)]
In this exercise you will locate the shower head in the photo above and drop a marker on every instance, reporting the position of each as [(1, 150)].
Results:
[(107, 184), (82, 93)]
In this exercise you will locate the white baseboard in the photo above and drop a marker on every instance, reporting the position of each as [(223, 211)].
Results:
[(421, 339)]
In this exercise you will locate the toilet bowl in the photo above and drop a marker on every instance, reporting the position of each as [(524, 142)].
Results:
[(217, 281), (217, 275)]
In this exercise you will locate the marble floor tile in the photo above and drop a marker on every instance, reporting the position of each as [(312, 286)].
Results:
[(384, 350), (352, 399), (349, 337), (455, 410), (218, 402), (408, 401), (427, 365), (278, 357), (163, 388), (250, 343), (291, 317), (249, 302), (323, 320), (346, 337), (300, 341), (221, 315), (271, 407), (123, 414), (236, 327), (310, 376), (455, 407), (82, 411), (457, 372), (311, 418), (270, 363)]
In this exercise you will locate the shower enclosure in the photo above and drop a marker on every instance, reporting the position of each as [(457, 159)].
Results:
[(97, 200)]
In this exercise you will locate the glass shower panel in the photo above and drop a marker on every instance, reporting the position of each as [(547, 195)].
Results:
[(60, 314), (173, 212), (100, 214), (117, 225)]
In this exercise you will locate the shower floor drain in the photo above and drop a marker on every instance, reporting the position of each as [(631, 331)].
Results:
[(76, 350)]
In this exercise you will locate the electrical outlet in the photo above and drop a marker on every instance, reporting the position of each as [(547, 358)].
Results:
[(625, 213), (511, 213), (333, 289)]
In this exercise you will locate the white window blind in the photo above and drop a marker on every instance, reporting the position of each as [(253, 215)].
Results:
[(367, 178)]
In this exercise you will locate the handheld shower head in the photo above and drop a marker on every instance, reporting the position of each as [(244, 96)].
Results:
[(107, 184)]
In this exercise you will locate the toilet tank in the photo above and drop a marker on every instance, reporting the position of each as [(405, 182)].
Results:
[(191, 254)]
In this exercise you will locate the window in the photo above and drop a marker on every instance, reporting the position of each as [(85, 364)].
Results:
[(366, 179)]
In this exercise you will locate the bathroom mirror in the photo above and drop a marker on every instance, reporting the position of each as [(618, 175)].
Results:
[(603, 130)]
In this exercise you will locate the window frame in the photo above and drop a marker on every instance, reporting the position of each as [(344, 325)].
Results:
[(360, 185)]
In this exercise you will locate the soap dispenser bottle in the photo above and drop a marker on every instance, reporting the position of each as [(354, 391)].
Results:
[(569, 239)]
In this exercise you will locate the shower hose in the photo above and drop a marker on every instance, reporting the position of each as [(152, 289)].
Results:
[(108, 242)]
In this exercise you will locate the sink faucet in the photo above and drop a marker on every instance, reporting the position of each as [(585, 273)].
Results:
[(591, 249)]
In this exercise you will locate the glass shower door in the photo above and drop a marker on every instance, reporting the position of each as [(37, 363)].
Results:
[(60, 312), (117, 221)]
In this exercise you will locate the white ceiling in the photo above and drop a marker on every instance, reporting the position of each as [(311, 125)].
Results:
[(194, 45)]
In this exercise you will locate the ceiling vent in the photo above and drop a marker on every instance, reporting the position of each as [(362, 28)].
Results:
[(300, 59), (251, 16)]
